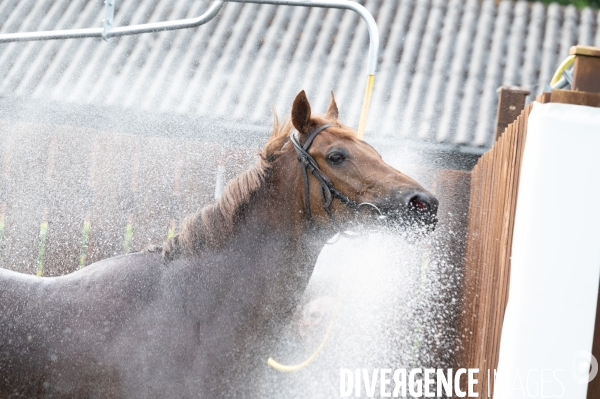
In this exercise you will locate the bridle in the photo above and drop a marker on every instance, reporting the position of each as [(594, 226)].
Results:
[(328, 191)]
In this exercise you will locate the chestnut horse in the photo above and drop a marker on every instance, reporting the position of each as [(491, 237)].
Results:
[(196, 317)]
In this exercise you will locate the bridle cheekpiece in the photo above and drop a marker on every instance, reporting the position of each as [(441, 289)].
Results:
[(328, 191)]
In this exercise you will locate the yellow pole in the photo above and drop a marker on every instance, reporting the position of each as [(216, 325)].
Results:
[(365, 108)]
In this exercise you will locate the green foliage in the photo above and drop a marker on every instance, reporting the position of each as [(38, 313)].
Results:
[(576, 3)]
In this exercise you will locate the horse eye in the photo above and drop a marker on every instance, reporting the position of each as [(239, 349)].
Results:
[(335, 157)]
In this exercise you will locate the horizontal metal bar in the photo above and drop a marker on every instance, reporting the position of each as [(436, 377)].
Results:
[(169, 25), (50, 35), (120, 31), (107, 31)]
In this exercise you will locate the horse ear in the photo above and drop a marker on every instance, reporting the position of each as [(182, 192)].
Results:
[(332, 109), (301, 112), (276, 126)]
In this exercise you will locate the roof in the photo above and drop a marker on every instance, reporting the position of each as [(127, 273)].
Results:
[(440, 61)]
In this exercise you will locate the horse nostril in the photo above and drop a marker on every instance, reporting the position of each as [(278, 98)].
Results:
[(418, 203), (423, 202)]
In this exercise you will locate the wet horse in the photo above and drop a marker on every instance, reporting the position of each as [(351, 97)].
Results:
[(195, 317)]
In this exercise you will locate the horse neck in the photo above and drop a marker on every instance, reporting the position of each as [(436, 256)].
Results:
[(274, 229), (278, 208)]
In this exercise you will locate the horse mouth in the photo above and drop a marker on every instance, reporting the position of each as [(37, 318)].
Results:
[(418, 219), (415, 219)]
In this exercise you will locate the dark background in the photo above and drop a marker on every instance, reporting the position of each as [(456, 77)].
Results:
[(576, 3)]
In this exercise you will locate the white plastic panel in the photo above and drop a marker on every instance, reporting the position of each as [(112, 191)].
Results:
[(555, 272)]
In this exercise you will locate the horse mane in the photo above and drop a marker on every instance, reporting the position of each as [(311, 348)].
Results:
[(210, 226)]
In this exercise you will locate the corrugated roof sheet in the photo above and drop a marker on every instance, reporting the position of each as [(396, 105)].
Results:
[(440, 62)]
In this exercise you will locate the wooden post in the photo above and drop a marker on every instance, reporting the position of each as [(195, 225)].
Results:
[(585, 89), (510, 105), (586, 75)]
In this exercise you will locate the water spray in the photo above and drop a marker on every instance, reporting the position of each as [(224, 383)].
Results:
[(288, 369), (108, 31), (44, 224)]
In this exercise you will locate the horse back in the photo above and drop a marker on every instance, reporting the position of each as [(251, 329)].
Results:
[(55, 332)]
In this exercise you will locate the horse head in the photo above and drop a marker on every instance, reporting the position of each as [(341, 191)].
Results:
[(346, 180)]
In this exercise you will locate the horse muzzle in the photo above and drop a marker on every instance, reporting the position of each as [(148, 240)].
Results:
[(413, 209)]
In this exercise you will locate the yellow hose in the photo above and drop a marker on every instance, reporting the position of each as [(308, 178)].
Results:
[(563, 67), (288, 369), (365, 107)]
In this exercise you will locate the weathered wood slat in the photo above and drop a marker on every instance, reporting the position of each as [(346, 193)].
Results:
[(111, 183), (156, 169), (494, 187), (27, 195), (98, 194), (198, 174), (69, 194)]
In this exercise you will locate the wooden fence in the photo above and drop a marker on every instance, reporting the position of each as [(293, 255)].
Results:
[(71, 196), (494, 188)]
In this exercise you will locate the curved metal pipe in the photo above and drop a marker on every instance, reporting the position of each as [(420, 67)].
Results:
[(340, 4), (373, 41), (120, 31), (109, 31), (202, 19)]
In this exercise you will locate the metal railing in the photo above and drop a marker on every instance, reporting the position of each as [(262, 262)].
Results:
[(108, 30)]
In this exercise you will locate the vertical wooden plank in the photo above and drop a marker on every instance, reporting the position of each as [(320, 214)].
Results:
[(494, 184), (511, 102), (507, 156), (470, 273), (158, 159), (470, 328), (68, 186), (484, 261), (111, 186), (5, 160), (26, 196), (505, 151), (494, 208), (543, 98)]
